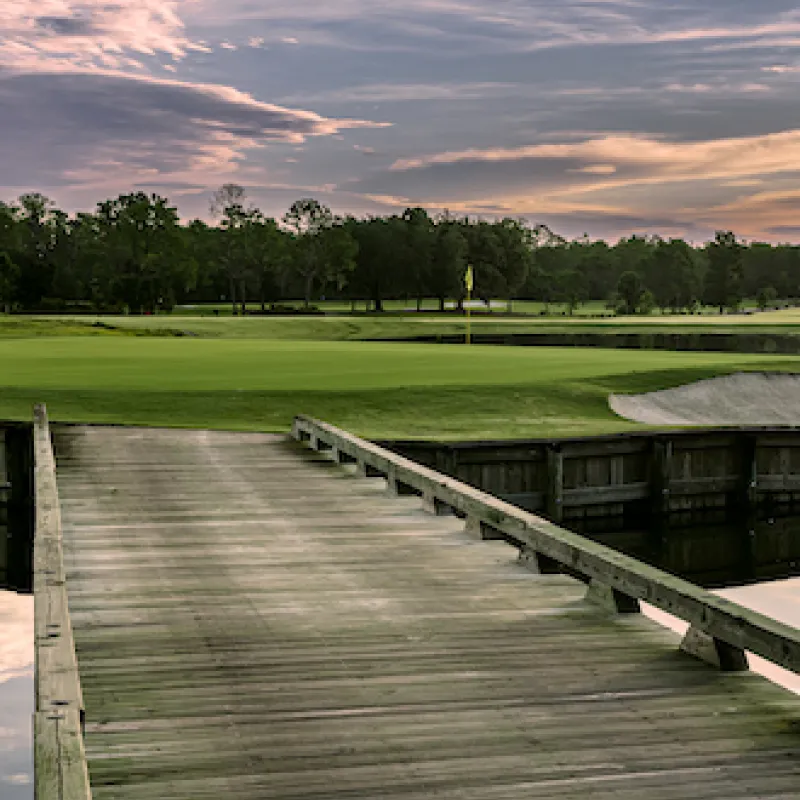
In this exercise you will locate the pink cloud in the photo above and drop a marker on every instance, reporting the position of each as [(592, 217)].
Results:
[(653, 160), (43, 34)]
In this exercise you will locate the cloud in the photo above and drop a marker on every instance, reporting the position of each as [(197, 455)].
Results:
[(16, 644), (43, 34), (743, 183), (73, 129), (411, 92), (648, 107), (645, 159), (524, 25)]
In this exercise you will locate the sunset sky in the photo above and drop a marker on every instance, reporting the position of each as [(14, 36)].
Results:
[(608, 117)]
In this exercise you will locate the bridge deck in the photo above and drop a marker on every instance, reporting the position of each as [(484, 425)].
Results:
[(253, 621)]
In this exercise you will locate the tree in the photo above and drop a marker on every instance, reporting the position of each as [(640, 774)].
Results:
[(449, 263), (35, 246), (227, 205), (630, 292), (486, 254), (516, 243), (673, 274), (723, 281), (268, 256), (417, 253), (9, 275), (380, 260), (143, 245), (570, 288), (766, 297), (322, 250)]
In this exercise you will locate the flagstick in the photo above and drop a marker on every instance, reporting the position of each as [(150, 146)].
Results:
[(469, 331), (469, 279)]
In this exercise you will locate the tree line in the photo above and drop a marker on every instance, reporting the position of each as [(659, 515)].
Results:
[(134, 254)]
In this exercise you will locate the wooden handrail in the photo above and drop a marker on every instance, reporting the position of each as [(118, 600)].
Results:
[(721, 630), (60, 768)]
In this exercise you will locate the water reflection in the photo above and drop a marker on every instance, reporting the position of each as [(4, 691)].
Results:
[(16, 668), (752, 562), (716, 555)]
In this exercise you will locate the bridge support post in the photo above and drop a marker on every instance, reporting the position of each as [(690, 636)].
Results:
[(482, 531), (365, 470), (400, 489), (611, 599), (320, 445), (714, 651), (433, 505), (538, 563), (343, 458)]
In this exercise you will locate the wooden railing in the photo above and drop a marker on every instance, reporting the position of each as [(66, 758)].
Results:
[(60, 770), (720, 631)]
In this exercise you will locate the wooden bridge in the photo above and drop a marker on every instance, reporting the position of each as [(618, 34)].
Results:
[(226, 615)]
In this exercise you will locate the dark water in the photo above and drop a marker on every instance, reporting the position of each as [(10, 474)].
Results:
[(743, 342), (16, 667), (714, 554)]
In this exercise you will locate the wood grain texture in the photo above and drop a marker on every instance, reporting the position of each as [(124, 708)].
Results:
[(254, 621), (721, 619), (58, 754)]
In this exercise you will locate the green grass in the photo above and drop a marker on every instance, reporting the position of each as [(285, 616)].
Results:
[(374, 389)]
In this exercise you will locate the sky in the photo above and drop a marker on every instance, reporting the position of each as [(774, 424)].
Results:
[(605, 117), (16, 695)]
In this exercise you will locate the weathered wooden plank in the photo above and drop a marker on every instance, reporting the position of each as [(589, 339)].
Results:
[(605, 495), (59, 758), (687, 487), (295, 631), (717, 617), (59, 763)]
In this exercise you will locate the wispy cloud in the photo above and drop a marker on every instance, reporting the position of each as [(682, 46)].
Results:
[(643, 159), (90, 33), (141, 128)]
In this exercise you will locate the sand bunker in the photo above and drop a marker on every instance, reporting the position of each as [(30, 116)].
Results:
[(741, 399)]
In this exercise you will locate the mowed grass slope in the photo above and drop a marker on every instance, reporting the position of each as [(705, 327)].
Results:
[(374, 389)]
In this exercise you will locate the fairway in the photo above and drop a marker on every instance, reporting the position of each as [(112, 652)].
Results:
[(374, 389)]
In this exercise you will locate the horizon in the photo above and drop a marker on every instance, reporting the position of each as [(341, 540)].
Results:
[(609, 118)]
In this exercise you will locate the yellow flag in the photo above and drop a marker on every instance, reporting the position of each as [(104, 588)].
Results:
[(469, 279)]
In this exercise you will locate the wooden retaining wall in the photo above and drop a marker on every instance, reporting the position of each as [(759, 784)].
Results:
[(59, 759), (676, 476)]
